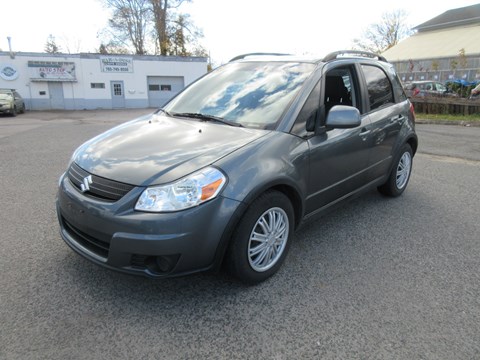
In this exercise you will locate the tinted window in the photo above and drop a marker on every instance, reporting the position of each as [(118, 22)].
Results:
[(379, 87), (254, 94), (397, 86)]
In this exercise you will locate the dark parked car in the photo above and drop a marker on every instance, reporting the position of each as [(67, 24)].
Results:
[(421, 89), (226, 171), (11, 102)]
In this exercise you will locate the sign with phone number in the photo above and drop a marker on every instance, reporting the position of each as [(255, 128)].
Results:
[(116, 64)]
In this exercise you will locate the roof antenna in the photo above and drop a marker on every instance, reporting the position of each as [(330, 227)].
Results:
[(12, 55)]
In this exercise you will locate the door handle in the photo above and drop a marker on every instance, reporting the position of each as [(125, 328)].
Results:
[(397, 118), (364, 132)]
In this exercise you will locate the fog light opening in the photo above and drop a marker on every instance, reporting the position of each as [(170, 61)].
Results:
[(166, 263), (161, 264)]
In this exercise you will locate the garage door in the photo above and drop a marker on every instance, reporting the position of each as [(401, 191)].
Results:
[(163, 88)]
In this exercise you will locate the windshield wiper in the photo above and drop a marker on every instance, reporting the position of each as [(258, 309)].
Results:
[(206, 117), (165, 112)]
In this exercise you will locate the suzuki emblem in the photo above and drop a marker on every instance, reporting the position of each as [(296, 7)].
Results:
[(85, 186)]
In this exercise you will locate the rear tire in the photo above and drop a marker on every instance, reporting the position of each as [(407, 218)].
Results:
[(262, 238), (400, 174)]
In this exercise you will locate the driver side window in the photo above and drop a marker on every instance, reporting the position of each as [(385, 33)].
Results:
[(339, 88)]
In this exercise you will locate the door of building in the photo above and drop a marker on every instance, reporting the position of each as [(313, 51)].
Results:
[(163, 88), (118, 94), (55, 90)]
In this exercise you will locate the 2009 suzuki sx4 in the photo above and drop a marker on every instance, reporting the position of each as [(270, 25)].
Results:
[(227, 170)]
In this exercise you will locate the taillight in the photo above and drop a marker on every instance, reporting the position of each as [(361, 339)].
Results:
[(412, 112)]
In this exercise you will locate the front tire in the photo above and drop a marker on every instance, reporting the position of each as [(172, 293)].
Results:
[(261, 241), (400, 174), (14, 111)]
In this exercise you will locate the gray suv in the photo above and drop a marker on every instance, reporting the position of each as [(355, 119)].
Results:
[(229, 168)]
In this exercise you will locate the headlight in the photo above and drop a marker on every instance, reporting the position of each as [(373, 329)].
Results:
[(188, 192)]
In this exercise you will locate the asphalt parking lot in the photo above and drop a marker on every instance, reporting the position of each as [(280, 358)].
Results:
[(377, 278)]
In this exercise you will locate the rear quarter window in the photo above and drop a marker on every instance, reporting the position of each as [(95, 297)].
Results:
[(380, 91)]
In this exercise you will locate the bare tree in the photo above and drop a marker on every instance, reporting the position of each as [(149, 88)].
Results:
[(72, 45), (139, 24), (164, 17), (129, 23), (383, 35), (51, 46), (112, 48)]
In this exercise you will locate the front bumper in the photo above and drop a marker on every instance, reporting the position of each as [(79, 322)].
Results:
[(115, 236), (6, 109)]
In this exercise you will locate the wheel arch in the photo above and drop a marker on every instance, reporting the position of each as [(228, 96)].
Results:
[(289, 190), (413, 142)]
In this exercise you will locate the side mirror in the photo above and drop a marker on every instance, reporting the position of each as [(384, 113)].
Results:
[(343, 117)]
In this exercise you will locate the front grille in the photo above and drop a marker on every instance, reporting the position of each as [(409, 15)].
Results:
[(96, 246), (99, 187)]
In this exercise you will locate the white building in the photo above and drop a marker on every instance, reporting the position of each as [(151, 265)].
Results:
[(94, 81)]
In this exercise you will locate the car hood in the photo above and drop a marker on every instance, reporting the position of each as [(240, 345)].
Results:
[(158, 149)]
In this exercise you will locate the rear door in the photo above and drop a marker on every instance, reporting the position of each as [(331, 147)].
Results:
[(386, 115)]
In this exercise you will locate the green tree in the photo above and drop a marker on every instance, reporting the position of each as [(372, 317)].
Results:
[(183, 39), (383, 35), (51, 46), (164, 13), (178, 40)]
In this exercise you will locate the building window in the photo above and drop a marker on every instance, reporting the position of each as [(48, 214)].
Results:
[(153, 87), (97, 85), (117, 90), (166, 87)]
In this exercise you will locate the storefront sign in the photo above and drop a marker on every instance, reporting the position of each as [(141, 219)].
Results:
[(8, 72), (116, 64), (52, 71)]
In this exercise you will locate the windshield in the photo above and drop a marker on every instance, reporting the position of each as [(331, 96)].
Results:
[(5, 95), (253, 94)]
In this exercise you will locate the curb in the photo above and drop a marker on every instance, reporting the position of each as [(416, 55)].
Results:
[(448, 122)]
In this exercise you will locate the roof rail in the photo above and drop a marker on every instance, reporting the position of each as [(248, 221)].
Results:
[(243, 56), (354, 53)]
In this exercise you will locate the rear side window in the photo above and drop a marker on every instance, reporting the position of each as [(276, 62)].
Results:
[(379, 87), (398, 89)]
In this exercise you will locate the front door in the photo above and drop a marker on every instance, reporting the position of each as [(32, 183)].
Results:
[(338, 164), (339, 157), (55, 90), (118, 94)]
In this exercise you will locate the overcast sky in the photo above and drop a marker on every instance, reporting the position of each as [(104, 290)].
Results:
[(230, 27)]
